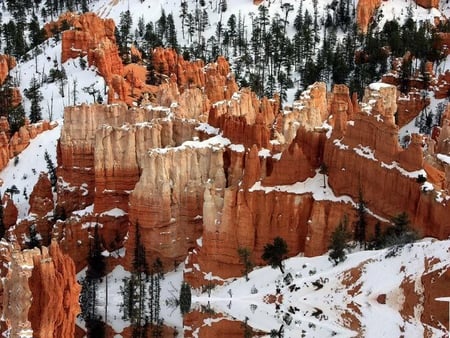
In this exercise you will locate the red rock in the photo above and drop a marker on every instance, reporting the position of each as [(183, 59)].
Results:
[(41, 198), (364, 13), (7, 63), (40, 291), (55, 294), (10, 211)]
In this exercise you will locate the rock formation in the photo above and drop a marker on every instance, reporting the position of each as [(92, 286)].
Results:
[(41, 198), (173, 177), (47, 278), (7, 63), (364, 13)]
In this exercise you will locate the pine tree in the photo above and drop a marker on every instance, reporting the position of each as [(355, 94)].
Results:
[(338, 242), (51, 169), (275, 252), (16, 118), (96, 263), (33, 239), (171, 33), (361, 222), (245, 258), (33, 93), (124, 31)]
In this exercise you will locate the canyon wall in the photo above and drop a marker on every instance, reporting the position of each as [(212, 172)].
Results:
[(40, 292)]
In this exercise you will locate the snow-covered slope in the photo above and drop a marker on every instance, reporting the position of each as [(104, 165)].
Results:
[(319, 299)]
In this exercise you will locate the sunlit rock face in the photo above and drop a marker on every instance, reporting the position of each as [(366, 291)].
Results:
[(169, 173), (40, 292), (364, 13)]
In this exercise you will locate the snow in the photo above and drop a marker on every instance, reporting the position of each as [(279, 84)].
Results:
[(444, 158), (31, 163), (380, 277), (244, 300), (379, 85), (114, 212)]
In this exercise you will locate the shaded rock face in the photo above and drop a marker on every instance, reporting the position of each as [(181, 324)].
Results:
[(40, 291), (369, 152)]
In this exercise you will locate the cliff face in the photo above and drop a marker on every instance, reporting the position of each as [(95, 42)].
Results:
[(7, 63), (369, 149), (40, 291), (364, 13)]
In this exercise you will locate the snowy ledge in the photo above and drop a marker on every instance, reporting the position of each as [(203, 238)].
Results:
[(368, 153)]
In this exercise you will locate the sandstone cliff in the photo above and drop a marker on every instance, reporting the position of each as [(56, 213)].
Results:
[(40, 292)]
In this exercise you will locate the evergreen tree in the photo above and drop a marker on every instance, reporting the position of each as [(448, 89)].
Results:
[(96, 263), (37, 34), (16, 118), (51, 169), (185, 298), (400, 232), (124, 31), (361, 222), (33, 93), (245, 258), (275, 252), (33, 238), (171, 33), (338, 242)]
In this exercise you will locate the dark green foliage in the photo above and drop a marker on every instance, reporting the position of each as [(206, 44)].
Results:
[(400, 232), (96, 328), (245, 258), (338, 242), (140, 264), (33, 238), (361, 221), (12, 190), (123, 33), (51, 169), (33, 93), (37, 34), (16, 118), (96, 263), (275, 252), (185, 298), (88, 299), (421, 179), (377, 241)]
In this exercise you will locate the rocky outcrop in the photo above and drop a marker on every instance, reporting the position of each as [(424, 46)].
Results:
[(87, 31), (41, 198), (369, 150), (167, 201), (53, 279), (428, 3), (10, 211), (40, 291), (365, 11), (7, 63), (409, 106)]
